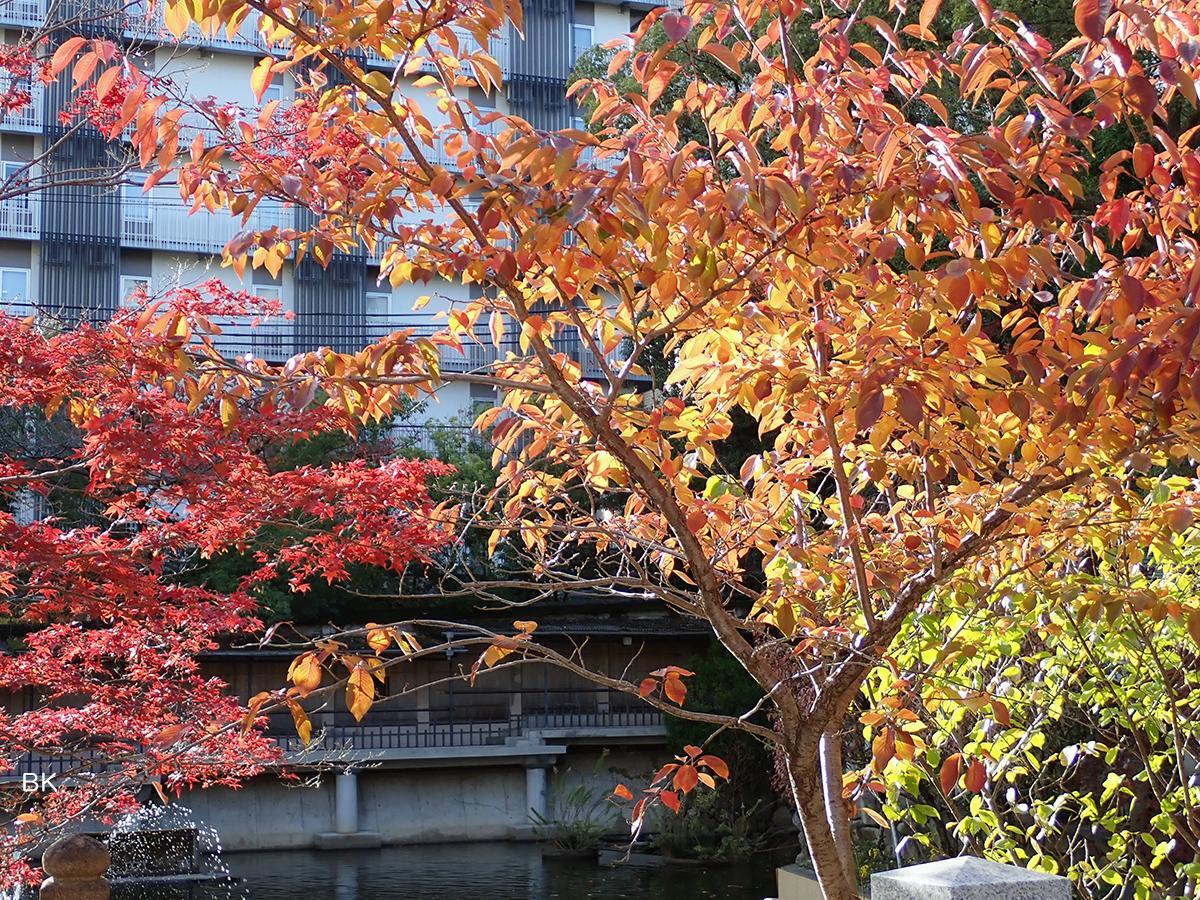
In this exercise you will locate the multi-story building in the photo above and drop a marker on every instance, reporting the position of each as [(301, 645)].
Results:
[(79, 250)]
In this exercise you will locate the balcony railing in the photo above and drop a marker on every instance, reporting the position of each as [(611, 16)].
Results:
[(497, 48), (478, 719), (190, 124), (20, 217), (276, 341), (27, 119), (30, 13), (139, 25), (435, 439), (157, 224)]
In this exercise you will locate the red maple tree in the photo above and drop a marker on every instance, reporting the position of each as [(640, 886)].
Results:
[(120, 470)]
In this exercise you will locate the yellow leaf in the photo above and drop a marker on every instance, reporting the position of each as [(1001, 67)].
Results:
[(378, 638), (176, 19), (305, 672), (303, 725), (360, 692), (260, 78), (877, 817)]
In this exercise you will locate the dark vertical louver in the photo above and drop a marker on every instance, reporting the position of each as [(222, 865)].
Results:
[(331, 304), (81, 222), (330, 301), (540, 64)]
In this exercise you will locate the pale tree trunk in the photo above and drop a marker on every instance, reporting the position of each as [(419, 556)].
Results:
[(805, 768), (837, 810)]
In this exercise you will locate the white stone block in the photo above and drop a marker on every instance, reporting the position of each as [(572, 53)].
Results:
[(797, 883), (968, 878)]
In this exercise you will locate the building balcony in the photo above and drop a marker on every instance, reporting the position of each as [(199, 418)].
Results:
[(498, 49), (190, 124), (23, 13), (475, 719), (142, 26), (157, 224), (27, 119), (20, 218), (276, 341)]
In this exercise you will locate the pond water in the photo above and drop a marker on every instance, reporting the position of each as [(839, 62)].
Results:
[(486, 871)]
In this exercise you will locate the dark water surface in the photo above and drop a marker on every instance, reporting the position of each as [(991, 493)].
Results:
[(492, 871)]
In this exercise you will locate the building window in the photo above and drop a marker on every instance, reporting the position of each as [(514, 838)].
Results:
[(581, 36), (271, 292), (131, 285), (483, 398), (378, 303), (274, 90), (16, 178), (14, 285)]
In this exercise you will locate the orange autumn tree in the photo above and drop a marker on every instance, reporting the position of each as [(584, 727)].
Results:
[(958, 345)]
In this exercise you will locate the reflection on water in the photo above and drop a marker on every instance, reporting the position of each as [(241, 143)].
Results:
[(495, 871)]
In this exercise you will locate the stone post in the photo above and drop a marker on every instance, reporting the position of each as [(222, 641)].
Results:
[(75, 865), (968, 878)]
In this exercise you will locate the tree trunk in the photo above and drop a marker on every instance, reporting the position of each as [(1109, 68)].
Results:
[(808, 789), (837, 810)]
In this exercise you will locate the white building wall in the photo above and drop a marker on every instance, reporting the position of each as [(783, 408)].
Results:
[(183, 248)]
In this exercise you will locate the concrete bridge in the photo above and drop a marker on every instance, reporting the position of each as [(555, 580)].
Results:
[(421, 775)]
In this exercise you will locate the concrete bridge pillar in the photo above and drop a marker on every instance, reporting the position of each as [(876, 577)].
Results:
[(535, 790), (346, 803), (346, 834)]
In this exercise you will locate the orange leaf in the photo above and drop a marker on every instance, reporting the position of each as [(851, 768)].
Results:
[(724, 56), (168, 734), (647, 687), (378, 638), (1000, 713), (670, 800), (106, 81), (870, 407), (877, 817), (976, 776), (686, 779), (718, 766), (675, 689), (623, 792), (260, 78), (303, 725), (1088, 19), (929, 10), (84, 68), (65, 53), (951, 769)]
